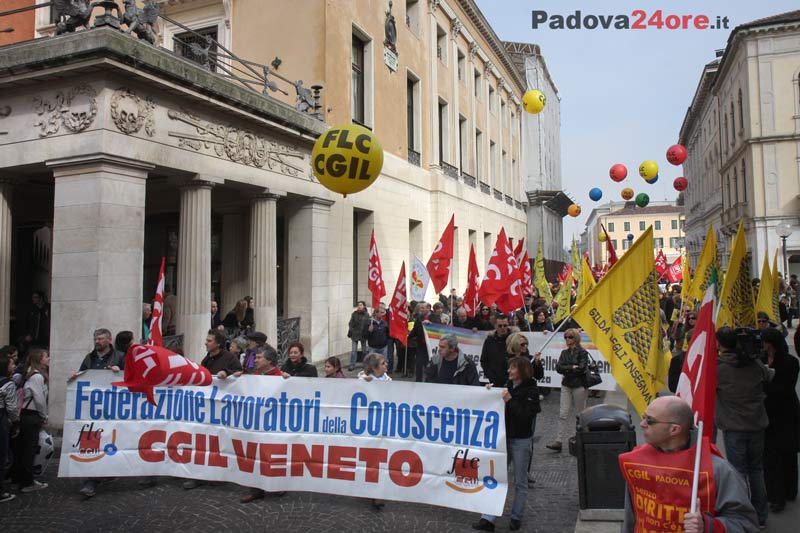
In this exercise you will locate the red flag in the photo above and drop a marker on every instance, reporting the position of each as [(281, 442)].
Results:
[(518, 250), (566, 270), (473, 281), (612, 254), (527, 275), (502, 284), (439, 264), (375, 273), (155, 338), (675, 272), (698, 381), (153, 366), (661, 263), (398, 322)]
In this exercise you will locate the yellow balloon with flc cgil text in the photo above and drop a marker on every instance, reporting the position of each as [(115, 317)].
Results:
[(347, 158)]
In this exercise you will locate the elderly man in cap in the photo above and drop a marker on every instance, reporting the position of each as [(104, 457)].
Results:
[(255, 343)]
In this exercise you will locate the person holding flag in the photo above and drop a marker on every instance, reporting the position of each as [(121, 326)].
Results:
[(658, 477)]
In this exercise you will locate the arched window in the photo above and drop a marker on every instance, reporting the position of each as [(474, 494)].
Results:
[(735, 186), (744, 179), (733, 126)]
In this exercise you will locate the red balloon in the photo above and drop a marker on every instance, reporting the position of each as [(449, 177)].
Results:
[(618, 172), (680, 184), (676, 154)]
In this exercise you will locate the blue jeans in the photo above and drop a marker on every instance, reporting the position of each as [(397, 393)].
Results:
[(519, 451), (354, 350), (745, 452)]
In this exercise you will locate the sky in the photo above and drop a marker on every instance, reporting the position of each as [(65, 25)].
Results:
[(624, 93)]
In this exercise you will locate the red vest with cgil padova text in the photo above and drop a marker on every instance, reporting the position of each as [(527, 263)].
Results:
[(660, 486)]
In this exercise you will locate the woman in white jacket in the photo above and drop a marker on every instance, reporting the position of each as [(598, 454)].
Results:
[(32, 419)]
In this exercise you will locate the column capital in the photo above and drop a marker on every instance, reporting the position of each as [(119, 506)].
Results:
[(316, 200), (197, 184), (82, 164), (267, 194)]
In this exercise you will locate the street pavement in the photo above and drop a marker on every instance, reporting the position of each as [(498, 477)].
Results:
[(122, 505)]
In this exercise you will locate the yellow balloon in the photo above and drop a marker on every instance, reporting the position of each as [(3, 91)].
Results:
[(627, 193), (533, 101), (648, 169), (601, 237), (347, 158)]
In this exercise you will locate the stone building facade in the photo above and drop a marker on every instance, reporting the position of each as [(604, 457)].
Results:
[(742, 133)]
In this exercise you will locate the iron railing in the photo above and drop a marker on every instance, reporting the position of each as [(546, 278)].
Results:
[(498, 194), (485, 188), (509, 200), (449, 170), (469, 180), (414, 157)]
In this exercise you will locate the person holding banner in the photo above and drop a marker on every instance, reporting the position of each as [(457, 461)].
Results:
[(572, 364), (449, 366), (658, 477), (297, 364), (522, 405)]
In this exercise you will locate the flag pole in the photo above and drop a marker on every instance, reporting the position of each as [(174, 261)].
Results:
[(552, 335), (696, 476)]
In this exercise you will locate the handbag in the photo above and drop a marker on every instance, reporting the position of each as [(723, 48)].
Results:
[(593, 376)]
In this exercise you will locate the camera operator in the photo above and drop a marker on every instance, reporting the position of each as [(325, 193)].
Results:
[(740, 411)]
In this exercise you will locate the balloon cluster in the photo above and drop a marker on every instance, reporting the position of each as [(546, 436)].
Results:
[(648, 170)]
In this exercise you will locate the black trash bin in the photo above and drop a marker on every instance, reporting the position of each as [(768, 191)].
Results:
[(603, 432)]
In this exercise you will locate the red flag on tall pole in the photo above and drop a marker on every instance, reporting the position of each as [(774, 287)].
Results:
[(375, 273), (675, 271), (439, 264), (518, 250), (698, 381), (473, 284), (661, 263), (155, 338), (612, 253), (502, 284), (398, 322), (527, 275)]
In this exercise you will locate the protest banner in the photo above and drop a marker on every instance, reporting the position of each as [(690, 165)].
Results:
[(471, 343), (414, 442)]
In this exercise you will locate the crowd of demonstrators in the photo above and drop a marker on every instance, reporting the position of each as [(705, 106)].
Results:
[(572, 364)]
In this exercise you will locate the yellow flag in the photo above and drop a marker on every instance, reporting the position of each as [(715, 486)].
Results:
[(621, 316), (776, 288), (736, 307), (576, 261), (586, 281), (765, 292), (539, 279), (702, 274), (563, 297)]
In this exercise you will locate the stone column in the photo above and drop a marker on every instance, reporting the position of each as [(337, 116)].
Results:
[(5, 259), (308, 279), (263, 264), (194, 267), (234, 259), (98, 242)]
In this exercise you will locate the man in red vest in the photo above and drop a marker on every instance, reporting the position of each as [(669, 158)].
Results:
[(659, 479)]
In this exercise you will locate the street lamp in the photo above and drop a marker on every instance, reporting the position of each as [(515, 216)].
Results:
[(784, 229)]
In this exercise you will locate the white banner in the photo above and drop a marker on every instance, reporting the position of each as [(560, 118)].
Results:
[(471, 344), (437, 444)]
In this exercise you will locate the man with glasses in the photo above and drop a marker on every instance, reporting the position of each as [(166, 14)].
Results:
[(494, 360), (658, 477)]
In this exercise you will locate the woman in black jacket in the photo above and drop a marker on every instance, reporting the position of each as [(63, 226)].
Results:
[(522, 405), (572, 364), (783, 410), (540, 321), (297, 364)]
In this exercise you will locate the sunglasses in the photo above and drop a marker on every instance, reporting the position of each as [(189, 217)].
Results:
[(569, 336), (523, 344), (692, 318), (650, 421)]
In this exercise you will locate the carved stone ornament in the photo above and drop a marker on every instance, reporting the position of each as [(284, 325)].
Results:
[(75, 109), (489, 67), (434, 5), (390, 29), (473, 51), (236, 145), (455, 28), (130, 112)]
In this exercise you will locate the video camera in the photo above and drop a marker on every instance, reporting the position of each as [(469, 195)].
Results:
[(749, 344)]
